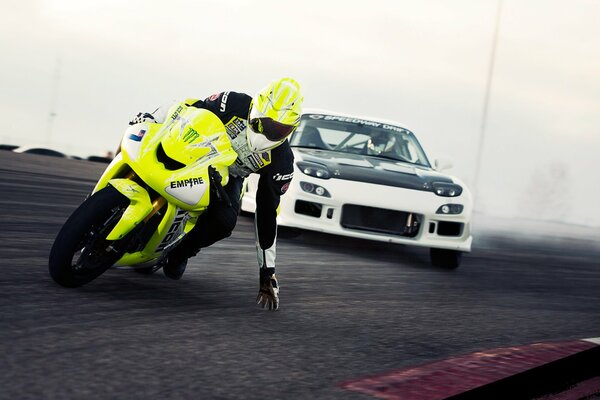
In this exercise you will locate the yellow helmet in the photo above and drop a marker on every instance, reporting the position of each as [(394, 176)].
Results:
[(274, 114)]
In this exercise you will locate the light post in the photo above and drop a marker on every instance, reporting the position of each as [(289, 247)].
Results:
[(486, 101)]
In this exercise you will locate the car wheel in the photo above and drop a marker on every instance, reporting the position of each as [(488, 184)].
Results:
[(445, 258)]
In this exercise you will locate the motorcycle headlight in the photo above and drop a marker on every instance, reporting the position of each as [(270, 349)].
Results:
[(314, 169), (446, 189)]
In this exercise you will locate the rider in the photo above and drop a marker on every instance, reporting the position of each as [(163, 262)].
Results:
[(258, 128), (381, 143)]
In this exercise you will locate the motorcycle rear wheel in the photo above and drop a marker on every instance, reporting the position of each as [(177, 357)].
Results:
[(80, 252)]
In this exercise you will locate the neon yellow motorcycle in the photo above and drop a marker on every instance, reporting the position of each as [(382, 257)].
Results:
[(148, 198)]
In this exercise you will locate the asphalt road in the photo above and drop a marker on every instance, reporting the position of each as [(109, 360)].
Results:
[(350, 308)]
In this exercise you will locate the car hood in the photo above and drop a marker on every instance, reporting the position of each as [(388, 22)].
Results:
[(354, 167)]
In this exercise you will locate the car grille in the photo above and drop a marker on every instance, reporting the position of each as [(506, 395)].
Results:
[(380, 220)]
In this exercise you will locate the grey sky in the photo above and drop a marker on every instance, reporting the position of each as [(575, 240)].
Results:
[(423, 64)]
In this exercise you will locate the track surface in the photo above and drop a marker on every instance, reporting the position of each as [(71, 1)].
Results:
[(350, 308)]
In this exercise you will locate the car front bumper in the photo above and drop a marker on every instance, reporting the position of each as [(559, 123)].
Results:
[(309, 211)]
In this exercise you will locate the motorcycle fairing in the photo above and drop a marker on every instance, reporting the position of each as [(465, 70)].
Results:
[(192, 137), (139, 207), (192, 140)]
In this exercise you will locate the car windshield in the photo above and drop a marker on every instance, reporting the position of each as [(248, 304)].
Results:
[(357, 136)]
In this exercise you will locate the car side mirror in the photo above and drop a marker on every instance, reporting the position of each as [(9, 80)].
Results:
[(442, 164)]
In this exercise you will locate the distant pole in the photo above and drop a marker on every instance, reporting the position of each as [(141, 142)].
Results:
[(53, 100), (486, 99)]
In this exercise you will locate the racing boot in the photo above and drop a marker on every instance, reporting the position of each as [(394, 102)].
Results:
[(268, 294), (175, 265)]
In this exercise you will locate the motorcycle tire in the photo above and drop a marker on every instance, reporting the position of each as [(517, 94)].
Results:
[(147, 270), (80, 252)]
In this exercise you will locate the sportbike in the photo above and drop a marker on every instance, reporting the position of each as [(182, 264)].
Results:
[(147, 199)]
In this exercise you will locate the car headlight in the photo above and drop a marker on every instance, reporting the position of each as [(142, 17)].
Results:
[(450, 209), (314, 169), (314, 189), (446, 189)]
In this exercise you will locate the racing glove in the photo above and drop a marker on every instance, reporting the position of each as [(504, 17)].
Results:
[(142, 117), (268, 294)]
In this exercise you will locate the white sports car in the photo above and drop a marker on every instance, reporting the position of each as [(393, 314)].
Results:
[(371, 179)]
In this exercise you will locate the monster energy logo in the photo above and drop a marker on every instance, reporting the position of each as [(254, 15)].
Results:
[(191, 135)]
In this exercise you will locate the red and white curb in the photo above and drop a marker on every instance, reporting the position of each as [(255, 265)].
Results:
[(463, 374)]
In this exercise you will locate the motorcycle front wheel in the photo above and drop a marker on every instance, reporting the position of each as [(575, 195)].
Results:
[(81, 251)]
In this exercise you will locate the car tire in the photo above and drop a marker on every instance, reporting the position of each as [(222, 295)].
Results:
[(444, 258)]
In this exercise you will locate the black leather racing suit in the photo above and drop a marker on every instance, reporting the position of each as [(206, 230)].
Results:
[(275, 168)]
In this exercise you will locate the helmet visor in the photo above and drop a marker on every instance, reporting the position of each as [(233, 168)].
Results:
[(273, 130)]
